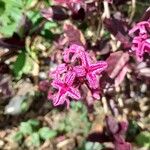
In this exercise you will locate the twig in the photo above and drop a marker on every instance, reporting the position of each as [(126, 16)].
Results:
[(133, 8)]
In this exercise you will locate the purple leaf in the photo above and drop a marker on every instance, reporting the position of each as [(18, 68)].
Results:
[(123, 127), (55, 12), (4, 68), (118, 29), (117, 66), (112, 125), (74, 35), (5, 86)]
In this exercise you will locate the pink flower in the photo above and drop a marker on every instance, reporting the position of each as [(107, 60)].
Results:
[(141, 40), (141, 27), (89, 69), (92, 70), (77, 70), (62, 68), (65, 90), (75, 50), (141, 44)]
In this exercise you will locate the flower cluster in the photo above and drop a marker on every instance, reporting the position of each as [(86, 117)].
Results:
[(141, 40), (79, 68)]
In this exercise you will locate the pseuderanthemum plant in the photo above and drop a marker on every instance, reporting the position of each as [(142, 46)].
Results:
[(79, 68)]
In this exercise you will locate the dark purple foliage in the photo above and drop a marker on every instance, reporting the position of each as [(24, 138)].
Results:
[(117, 66), (119, 29), (117, 131), (55, 12)]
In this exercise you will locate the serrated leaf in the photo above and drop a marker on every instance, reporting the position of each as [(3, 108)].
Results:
[(46, 133), (25, 128)]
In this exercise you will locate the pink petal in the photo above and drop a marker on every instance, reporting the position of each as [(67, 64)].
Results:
[(74, 49), (74, 93), (92, 80), (96, 93), (98, 67), (59, 99), (141, 27), (79, 70), (57, 83), (86, 60), (59, 71), (69, 78)]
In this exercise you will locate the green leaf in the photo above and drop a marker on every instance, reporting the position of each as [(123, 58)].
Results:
[(18, 136), (25, 128), (23, 65), (2, 7), (24, 106), (35, 139), (34, 16), (8, 30), (30, 3), (50, 25), (34, 123), (133, 130), (143, 139), (10, 15), (46, 133)]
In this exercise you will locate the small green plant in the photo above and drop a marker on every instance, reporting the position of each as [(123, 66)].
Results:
[(76, 120), (143, 139), (33, 132)]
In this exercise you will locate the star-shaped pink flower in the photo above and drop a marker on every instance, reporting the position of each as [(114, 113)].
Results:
[(92, 70), (65, 90), (141, 27), (141, 44)]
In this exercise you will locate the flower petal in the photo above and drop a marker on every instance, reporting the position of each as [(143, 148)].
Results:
[(62, 68), (98, 67), (57, 83), (74, 93), (92, 80), (86, 60), (69, 78), (79, 70), (59, 99)]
